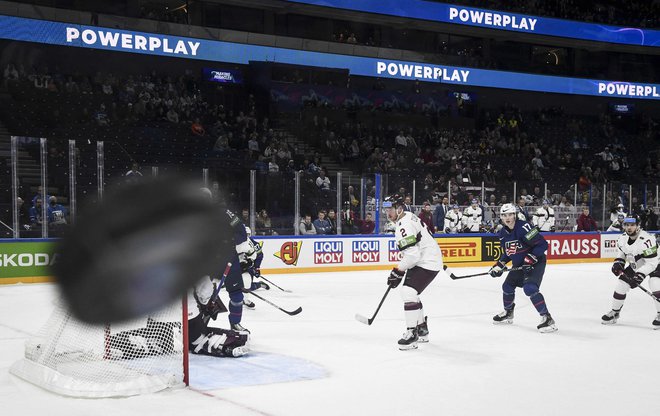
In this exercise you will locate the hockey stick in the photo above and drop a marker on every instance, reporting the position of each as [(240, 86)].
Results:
[(649, 293), (568, 217), (216, 291), (294, 312), (454, 277), (283, 290), (369, 321)]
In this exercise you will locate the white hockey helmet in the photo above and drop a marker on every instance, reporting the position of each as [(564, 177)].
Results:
[(248, 231), (508, 209)]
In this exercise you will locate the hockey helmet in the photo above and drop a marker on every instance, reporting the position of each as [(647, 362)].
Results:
[(248, 231), (546, 201), (620, 206), (631, 219), (631, 225), (475, 201), (455, 206), (508, 209), (393, 200)]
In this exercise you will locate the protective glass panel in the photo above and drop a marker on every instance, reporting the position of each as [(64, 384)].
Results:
[(274, 204)]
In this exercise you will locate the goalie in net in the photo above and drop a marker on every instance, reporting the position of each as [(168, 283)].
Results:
[(144, 355), (203, 339)]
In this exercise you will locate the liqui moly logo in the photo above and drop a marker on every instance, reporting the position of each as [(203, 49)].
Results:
[(366, 251), (328, 252), (393, 253)]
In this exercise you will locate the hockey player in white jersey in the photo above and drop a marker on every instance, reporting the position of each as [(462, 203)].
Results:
[(618, 224), (421, 260), (473, 217), (637, 258), (454, 221), (544, 217), (614, 214)]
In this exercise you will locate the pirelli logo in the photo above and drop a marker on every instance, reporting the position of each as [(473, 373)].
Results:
[(460, 249)]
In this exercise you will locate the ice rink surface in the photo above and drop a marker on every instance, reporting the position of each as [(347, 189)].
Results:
[(324, 362)]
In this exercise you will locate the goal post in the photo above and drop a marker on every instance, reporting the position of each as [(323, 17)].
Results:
[(76, 359)]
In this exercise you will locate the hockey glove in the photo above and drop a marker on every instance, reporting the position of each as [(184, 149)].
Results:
[(245, 261), (395, 278), (637, 279), (618, 266), (212, 308), (631, 277), (497, 270), (529, 262), (447, 231), (552, 229)]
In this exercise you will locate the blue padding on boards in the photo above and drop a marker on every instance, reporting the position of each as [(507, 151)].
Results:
[(255, 368)]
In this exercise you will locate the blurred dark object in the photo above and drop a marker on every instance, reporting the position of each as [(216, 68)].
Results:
[(140, 249)]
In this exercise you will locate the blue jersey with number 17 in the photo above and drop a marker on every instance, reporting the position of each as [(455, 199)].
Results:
[(517, 243)]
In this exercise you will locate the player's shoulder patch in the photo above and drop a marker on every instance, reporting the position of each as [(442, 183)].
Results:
[(650, 252), (532, 233), (406, 242)]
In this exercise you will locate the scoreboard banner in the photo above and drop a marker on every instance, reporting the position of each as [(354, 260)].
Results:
[(498, 20), (29, 260), (74, 35)]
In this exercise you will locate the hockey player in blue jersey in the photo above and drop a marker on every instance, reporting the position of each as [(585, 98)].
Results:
[(239, 262), (525, 247)]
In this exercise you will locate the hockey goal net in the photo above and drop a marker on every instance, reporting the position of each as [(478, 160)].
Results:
[(76, 359)]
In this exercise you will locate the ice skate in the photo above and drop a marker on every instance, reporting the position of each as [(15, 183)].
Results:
[(611, 317), (656, 321), (409, 340), (248, 304), (504, 317), (263, 285), (547, 324), (423, 331), (240, 329)]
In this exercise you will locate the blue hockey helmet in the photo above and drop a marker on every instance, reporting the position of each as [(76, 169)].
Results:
[(631, 219)]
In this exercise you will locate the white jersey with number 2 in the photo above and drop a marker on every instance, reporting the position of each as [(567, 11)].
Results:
[(416, 244)]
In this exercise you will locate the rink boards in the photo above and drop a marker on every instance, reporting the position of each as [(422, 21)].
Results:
[(29, 260)]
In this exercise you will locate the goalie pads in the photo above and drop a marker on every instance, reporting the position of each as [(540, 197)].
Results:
[(220, 343)]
